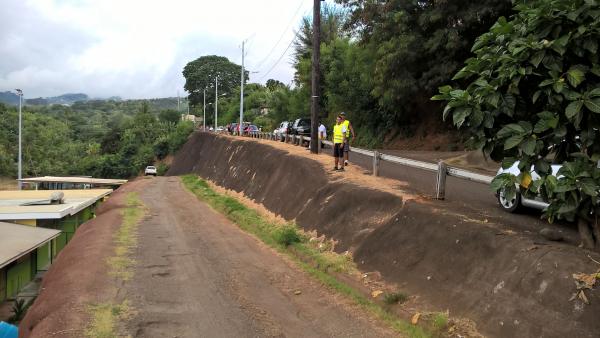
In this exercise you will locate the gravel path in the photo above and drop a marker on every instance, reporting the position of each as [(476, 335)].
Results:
[(198, 275)]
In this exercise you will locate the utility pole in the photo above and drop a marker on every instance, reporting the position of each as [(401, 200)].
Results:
[(20, 165), (178, 109), (204, 110), (242, 92), (216, 100), (314, 103)]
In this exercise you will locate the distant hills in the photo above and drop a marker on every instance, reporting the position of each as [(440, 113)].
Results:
[(65, 99), (9, 98)]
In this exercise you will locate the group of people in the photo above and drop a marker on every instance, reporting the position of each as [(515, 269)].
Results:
[(342, 130)]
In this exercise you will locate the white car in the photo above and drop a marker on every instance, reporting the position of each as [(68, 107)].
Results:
[(513, 204), (282, 130), (150, 170)]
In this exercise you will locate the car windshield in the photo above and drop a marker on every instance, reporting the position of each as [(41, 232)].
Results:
[(150, 167)]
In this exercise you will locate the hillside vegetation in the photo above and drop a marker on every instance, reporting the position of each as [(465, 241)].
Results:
[(98, 138), (381, 61)]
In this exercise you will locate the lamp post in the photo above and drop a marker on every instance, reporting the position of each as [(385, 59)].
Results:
[(216, 100), (242, 91), (204, 111), (20, 165)]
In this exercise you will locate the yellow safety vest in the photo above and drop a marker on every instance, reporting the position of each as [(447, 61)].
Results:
[(347, 124), (338, 135)]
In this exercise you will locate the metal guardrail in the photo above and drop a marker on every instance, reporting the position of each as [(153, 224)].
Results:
[(440, 168)]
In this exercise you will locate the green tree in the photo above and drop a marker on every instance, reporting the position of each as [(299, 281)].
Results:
[(416, 46), (200, 74), (169, 115), (531, 94)]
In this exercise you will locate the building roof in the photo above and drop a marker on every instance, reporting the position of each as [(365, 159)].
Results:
[(81, 180), (12, 208), (18, 240)]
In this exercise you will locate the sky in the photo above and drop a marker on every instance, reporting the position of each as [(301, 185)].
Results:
[(138, 48)]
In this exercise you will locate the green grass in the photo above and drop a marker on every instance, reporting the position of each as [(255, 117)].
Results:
[(395, 298), (126, 238), (440, 322), (105, 319), (290, 241)]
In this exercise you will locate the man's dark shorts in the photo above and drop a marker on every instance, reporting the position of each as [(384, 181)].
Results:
[(338, 150)]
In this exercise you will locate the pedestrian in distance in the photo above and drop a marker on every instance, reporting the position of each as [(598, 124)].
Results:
[(349, 131), (322, 134), (339, 138)]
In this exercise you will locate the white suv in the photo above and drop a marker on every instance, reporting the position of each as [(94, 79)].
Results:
[(150, 170)]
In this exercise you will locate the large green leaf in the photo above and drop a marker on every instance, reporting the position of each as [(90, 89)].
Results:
[(528, 146), (589, 186), (513, 141), (510, 129), (460, 114), (573, 109), (568, 205), (576, 75), (593, 105)]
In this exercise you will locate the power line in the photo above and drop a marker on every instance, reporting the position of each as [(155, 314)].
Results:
[(281, 37), (280, 57)]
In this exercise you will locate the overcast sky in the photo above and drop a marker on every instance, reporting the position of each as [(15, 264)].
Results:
[(138, 48)]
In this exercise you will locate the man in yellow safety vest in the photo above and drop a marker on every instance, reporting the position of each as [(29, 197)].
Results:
[(349, 130), (339, 138)]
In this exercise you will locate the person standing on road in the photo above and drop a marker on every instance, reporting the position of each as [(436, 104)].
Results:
[(349, 130), (322, 134), (339, 138)]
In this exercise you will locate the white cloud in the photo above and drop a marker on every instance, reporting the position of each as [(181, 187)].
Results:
[(136, 48)]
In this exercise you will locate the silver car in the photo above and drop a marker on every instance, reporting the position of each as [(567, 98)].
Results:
[(513, 204)]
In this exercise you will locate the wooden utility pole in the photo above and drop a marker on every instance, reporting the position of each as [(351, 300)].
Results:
[(316, 56)]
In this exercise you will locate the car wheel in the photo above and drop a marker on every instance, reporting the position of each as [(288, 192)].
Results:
[(510, 205)]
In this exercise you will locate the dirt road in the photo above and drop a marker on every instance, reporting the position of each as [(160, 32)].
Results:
[(198, 275)]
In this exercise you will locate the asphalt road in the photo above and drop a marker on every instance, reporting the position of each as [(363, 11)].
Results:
[(199, 275), (472, 198)]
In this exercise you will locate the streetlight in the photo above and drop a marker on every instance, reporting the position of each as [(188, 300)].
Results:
[(216, 100), (19, 174)]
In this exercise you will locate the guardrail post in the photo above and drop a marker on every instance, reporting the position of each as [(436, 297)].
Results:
[(376, 158), (440, 185)]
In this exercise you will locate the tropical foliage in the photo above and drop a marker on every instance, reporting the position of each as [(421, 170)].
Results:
[(532, 94), (84, 140)]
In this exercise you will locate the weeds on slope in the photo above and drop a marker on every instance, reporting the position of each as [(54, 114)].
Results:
[(289, 240)]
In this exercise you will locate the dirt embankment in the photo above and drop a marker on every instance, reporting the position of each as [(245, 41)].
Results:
[(79, 276), (512, 285)]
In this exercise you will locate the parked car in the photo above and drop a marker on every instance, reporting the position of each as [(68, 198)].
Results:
[(518, 201), (251, 129), (301, 127), (150, 170), (283, 129)]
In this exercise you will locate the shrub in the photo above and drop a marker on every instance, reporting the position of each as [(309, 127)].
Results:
[(286, 235), (394, 298)]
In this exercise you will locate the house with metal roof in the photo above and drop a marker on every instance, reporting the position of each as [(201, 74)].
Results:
[(76, 182), (35, 225), (24, 250)]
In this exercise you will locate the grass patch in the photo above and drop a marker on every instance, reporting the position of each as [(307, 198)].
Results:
[(105, 319), (440, 321), (126, 238), (395, 298), (289, 240)]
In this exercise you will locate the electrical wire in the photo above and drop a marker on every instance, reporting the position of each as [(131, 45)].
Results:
[(280, 57), (292, 20)]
